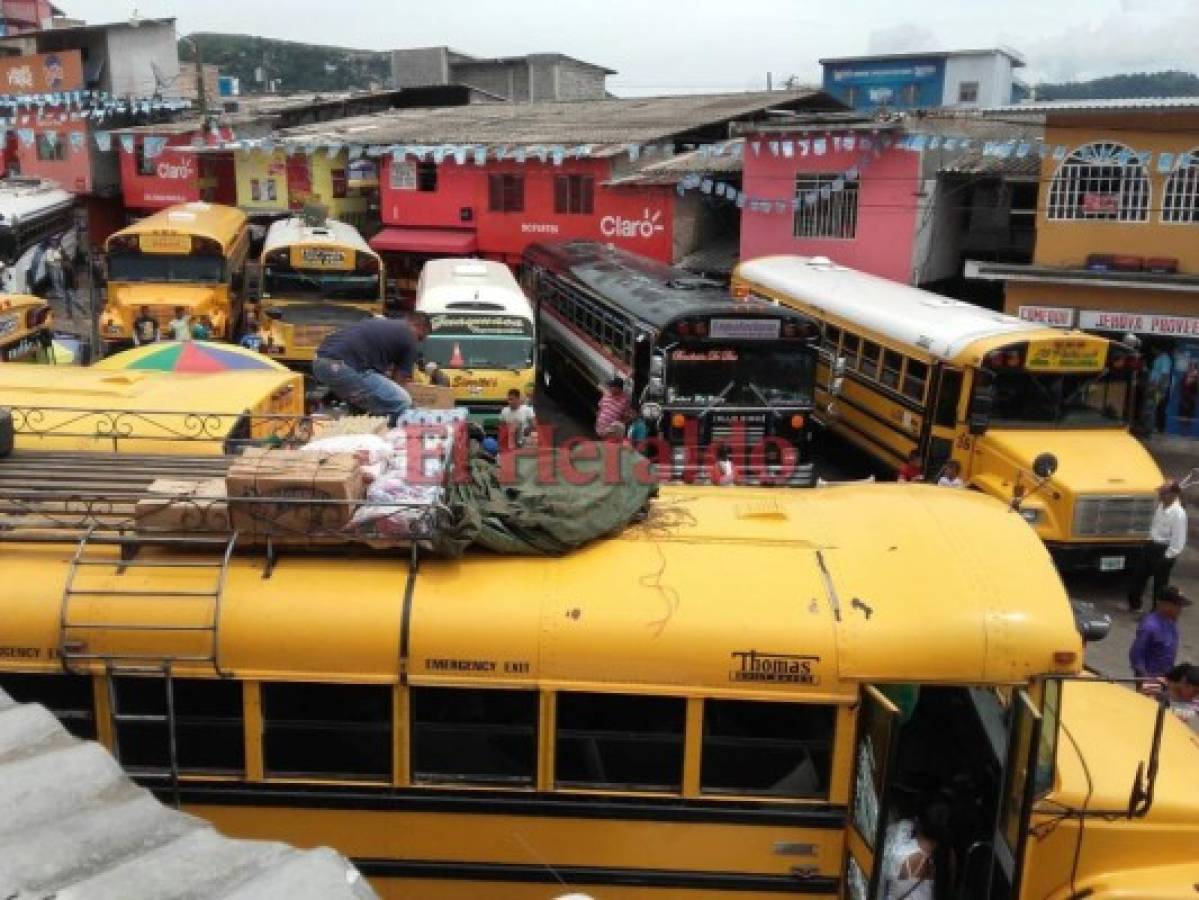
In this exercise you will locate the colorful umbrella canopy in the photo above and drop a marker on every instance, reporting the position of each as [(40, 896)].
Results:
[(191, 356)]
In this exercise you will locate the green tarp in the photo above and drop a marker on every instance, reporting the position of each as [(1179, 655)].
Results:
[(547, 504)]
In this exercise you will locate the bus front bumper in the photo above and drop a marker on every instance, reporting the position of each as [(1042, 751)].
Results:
[(1113, 558)]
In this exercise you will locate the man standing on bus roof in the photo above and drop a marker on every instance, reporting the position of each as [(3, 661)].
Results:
[(613, 412), (145, 328), (1167, 540), (358, 363), (1155, 648)]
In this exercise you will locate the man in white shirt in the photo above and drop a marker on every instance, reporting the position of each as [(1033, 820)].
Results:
[(180, 327), (1167, 540), (517, 421)]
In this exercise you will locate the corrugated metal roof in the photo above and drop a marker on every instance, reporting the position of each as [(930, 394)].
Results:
[(1129, 104), (610, 121), (1016, 58), (73, 822), (695, 162)]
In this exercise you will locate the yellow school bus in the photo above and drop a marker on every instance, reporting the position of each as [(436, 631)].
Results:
[(68, 408), (26, 332), (480, 333), (904, 370), (190, 256), (316, 278), (737, 696)]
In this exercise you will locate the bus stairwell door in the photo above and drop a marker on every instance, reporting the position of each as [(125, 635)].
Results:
[(874, 754), (1016, 801)]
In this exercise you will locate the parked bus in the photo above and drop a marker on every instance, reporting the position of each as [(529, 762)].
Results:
[(480, 332), (951, 380), (26, 333), (738, 695), (191, 256), (132, 412), (703, 368), (316, 278), (34, 214)]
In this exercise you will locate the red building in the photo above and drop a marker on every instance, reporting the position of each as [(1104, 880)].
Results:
[(489, 179), (160, 168)]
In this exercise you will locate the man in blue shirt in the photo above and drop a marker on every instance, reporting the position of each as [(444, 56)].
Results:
[(1155, 647), (365, 363)]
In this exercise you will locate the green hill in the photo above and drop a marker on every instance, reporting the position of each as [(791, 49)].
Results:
[(297, 67), (1140, 84)]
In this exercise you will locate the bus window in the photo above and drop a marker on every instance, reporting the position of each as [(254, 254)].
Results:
[(770, 749), (208, 724), (474, 736), (1047, 745), (832, 337), (620, 741), (69, 697), (892, 369), (948, 397), (914, 379), (868, 362), (327, 729), (850, 346)]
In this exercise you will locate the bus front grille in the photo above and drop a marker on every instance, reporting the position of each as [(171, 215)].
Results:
[(1114, 515), (734, 429)]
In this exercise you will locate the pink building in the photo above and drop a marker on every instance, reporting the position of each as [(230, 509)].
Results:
[(866, 196)]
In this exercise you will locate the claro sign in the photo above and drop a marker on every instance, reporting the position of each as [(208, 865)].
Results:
[(645, 228)]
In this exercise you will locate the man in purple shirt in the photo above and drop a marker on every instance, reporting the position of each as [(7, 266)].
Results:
[(1155, 647)]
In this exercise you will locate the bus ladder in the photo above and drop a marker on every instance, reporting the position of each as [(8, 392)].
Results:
[(75, 635), (167, 719)]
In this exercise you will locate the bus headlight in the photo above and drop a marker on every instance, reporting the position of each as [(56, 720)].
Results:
[(1032, 516), (651, 411)]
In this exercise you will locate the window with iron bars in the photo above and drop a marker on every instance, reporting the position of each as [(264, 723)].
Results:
[(823, 212), (1180, 203), (1100, 182)]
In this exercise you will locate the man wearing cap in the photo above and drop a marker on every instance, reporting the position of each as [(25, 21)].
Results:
[(1155, 648), (613, 412), (1167, 539)]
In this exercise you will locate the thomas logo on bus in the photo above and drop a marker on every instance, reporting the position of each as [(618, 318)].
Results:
[(478, 325), (1067, 355), (773, 668)]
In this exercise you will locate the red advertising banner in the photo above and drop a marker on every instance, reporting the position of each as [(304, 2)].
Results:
[(41, 73)]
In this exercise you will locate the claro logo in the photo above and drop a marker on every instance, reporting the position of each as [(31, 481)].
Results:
[(646, 227)]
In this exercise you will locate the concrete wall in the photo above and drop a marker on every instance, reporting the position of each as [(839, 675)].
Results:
[(135, 53), (543, 79), (993, 74), (577, 82), (419, 66), (495, 78)]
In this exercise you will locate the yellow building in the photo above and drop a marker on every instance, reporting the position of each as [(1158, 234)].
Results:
[(1117, 247), (278, 181)]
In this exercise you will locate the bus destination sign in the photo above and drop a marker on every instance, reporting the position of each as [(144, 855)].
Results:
[(496, 325), (745, 329), (1067, 355), (165, 243), (310, 257)]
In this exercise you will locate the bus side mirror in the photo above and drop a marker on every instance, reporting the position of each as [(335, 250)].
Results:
[(982, 402), (1044, 466), (839, 366), (837, 386), (657, 365)]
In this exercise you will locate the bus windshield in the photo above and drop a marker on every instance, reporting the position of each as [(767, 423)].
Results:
[(160, 267), (740, 376), (298, 284), (476, 351), (1055, 400)]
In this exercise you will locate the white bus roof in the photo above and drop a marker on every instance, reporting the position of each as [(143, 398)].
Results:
[(21, 198), (897, 312), (470, 285), (289, 232)]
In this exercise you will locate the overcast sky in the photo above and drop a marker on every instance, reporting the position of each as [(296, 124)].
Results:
[(666, 46)]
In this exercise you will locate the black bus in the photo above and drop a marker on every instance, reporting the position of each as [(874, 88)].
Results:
[(705, 371)]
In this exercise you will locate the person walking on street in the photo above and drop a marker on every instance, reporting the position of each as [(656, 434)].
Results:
[(56, 268), (1154, 650), (366, 363), (518, 421), (145, 328), (1167, 540), (613, 412), (180, 327)]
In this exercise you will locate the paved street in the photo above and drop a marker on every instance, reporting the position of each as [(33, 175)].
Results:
[(1106, 591)]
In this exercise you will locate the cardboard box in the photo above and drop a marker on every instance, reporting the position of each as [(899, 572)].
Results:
[(184, 506), (430, 396), (265, 474)]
